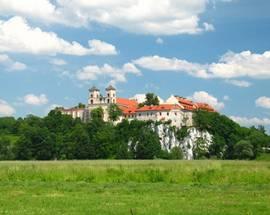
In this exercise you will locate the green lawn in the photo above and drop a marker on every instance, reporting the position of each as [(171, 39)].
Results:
[(135, 187)]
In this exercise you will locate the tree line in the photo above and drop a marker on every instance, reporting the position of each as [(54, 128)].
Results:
[(59, 137)]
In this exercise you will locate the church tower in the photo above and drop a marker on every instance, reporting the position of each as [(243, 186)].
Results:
[(111, 95), (94, 96)]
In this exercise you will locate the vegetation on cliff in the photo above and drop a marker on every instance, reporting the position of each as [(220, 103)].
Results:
[(60, 137)]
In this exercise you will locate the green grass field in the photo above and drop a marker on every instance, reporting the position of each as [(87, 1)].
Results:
[(135, 187)]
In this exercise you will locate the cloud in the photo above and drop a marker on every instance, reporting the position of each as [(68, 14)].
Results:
[(93, 72), (245, 121), (230, 65), (205, 97), (6, 109), (10, 64), (155, 17), (36, 100), (157, 63), (159, 41), (226, 98), (58, 62), (17, 36), (263, 102), (42, 10), (208, 27), (239, 83), (99, 47)]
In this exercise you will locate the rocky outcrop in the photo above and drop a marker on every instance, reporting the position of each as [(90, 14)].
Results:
[(168, 139)]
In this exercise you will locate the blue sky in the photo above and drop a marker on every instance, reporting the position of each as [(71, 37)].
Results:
[(214, 51)]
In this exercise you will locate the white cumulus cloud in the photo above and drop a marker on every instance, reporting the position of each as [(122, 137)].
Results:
[(36, 100), (230, 66), (6, 109), (253, 121), (263, 102), (239, 83), (159, 41), (204, 97), (93, 72), (16, 35), (58, 62), (156, 17), (10, 64)]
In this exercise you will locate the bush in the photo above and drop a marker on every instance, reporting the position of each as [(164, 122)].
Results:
[(243, 150)]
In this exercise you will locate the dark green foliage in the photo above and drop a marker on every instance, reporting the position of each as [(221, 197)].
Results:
[(243, 150), (176, 154), (97, 114), (59, 137), (227, 133), (147, 145), (114, 112), (80, 105), (6, 152), (182, 133), (200, 150), (8, 125), (151, 99)]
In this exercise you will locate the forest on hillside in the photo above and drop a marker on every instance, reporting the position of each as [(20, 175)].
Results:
[(59, 137)]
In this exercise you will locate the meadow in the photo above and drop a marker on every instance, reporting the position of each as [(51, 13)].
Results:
[(135, 187)]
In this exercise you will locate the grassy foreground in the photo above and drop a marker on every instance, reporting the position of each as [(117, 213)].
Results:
[(135, 187)]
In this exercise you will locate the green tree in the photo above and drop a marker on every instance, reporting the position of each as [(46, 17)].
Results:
[(114, 112), (81, 105), (6, 152), (147, 145), (200, 149), (83, 149), (36, 144), (176, 153), (243, 150), (97, 114), (151, 99), (104, 142)]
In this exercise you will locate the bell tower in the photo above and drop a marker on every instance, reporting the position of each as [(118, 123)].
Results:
[(111, 95), (94, 96)]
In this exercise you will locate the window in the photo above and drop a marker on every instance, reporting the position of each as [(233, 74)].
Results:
[(160, 113), (108, 101), (92, 102), (108, 95), (168, 114)]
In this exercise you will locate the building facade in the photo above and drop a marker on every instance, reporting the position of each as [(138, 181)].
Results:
[(178, 110)]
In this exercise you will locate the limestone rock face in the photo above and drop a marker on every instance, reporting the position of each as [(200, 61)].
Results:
[(168, 139)]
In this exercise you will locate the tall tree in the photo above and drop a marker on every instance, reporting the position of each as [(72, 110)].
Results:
[(114, 112), (151, 99), (97, 114)]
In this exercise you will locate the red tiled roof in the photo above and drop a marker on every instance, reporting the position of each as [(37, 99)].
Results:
[(127, 106), (162, 107), (126, 102), (205, 106), (187, 104)]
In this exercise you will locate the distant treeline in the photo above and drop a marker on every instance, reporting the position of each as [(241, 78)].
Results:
[(59, 137)]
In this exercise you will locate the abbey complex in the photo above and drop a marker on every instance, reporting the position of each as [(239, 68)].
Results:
[(176, 109)]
